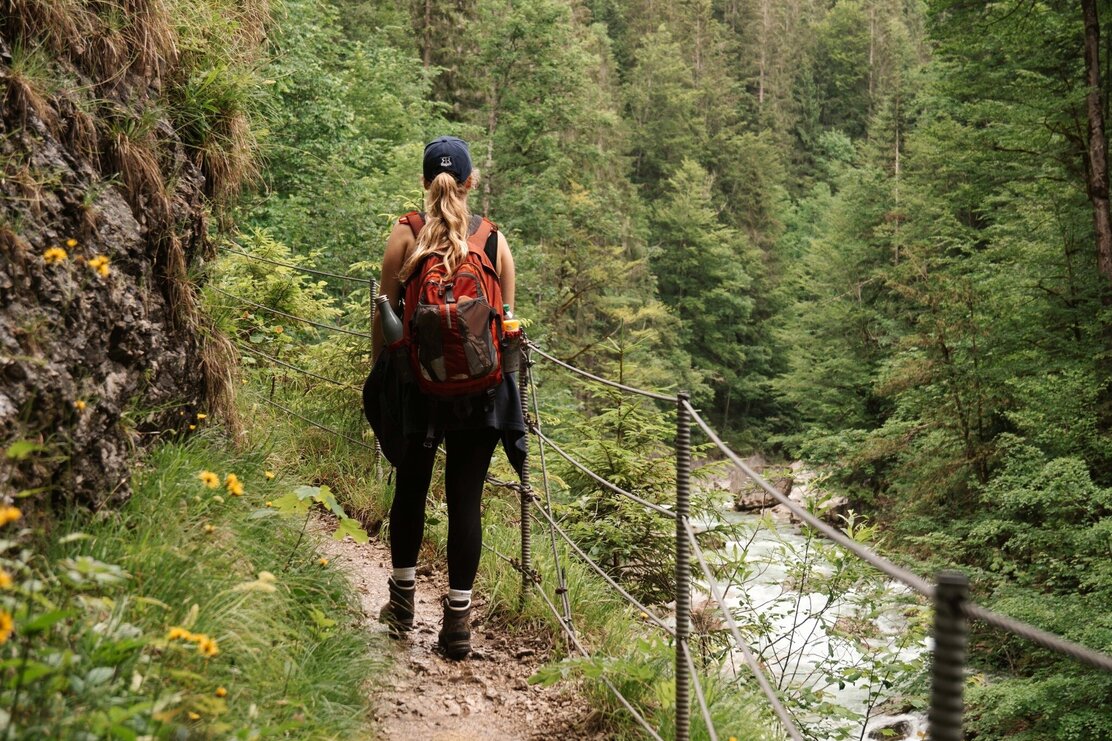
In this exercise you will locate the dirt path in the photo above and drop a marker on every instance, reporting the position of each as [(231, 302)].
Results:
[(486, 697)]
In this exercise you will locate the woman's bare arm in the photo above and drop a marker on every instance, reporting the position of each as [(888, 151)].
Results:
[(397, 248), (506, 273)]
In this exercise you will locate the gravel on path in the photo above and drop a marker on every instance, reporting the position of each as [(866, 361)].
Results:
[(425, 696)]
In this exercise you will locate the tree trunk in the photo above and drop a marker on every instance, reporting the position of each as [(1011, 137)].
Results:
[(1098, 150), (427, 55)]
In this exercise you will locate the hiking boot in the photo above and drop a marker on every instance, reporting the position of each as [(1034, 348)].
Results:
[(398, 612), (455, 634)]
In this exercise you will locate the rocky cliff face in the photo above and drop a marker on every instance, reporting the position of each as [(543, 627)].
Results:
[(104, 198)]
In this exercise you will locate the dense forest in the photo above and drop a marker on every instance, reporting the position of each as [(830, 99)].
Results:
[(864, 232), (873, 235)]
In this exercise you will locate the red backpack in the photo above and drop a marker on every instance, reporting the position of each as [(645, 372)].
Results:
[(453, 323)]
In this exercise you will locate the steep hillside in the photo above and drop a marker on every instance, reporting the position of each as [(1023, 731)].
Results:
[(123, 125)]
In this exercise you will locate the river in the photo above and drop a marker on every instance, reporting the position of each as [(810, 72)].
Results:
[(836, 637)]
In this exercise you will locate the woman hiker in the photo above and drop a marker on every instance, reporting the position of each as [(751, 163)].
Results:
[(456, 272)]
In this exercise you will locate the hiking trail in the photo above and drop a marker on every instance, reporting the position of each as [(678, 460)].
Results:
[(423, 695)]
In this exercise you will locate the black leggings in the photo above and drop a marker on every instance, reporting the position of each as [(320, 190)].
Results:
[(468, 455)]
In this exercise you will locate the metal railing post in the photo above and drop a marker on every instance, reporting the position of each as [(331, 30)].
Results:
[(683, 568), (948, 662), (526, 488)]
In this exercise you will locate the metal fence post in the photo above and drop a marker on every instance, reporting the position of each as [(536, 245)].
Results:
[(683, 568), (526, 488), (948, 664)]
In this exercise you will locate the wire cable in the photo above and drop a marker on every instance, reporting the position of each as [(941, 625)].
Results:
[(1041, 637), (293, 367), (747, 654), (312, 422), (612, 487), (609, 580), (583, 652), (600, 379), (704, 709), (279, 312), (916, 582), (570, 632), (299, 268), (561, 576)]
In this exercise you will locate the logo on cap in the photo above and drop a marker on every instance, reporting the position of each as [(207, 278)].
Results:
[(445, 161)]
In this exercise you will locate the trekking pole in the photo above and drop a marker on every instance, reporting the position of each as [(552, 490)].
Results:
[(526, 489), (378, 448), (683, 568)]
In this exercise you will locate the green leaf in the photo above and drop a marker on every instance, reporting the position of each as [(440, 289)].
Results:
[(328, 499), (44, 621), (22, 449), (351, 527), (307, 492), (291, 504)]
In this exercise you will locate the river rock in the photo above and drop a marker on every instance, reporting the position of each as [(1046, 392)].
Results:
[(895, 731)]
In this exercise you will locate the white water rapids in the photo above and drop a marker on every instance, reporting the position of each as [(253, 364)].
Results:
[(829, 632)]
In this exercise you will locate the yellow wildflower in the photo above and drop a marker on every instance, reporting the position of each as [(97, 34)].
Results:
[(54, 255), (9, 514), (201, 415), (80, 405), (279, 329), (71, 243), (209, 479), (194, 716), (221, 692), (192, 427), (179, 633), (209, 527), (323, 562), (269, 474), (269, 504), (100, 264), (6, 626), (233, 485), (207, 646), (5, 579)]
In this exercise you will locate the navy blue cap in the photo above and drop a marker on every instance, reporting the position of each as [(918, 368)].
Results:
[(447, 154)]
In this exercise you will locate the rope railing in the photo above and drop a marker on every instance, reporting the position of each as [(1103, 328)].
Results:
[(297, 369), (609, 485), (649, 614), (910, 579), (292, 266), (287, 315), (746, 653), (599, 379)]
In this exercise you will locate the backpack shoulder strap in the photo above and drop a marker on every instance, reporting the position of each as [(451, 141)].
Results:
[(415, 220), (491, 247)]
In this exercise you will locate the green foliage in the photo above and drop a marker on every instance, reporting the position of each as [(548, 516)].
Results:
[(165, 618)]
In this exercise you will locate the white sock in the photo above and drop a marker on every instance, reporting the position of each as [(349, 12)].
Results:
[(408, 574), (460, 598)]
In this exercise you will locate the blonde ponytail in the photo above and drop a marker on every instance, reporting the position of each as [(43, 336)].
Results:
[(447, 221)]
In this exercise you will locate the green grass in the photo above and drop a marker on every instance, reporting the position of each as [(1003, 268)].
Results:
[(106, 588)]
